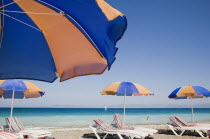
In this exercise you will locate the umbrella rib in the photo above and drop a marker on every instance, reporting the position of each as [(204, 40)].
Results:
[(9, 4), (50, 5), (31, 12), (20, 21), (2, 26)]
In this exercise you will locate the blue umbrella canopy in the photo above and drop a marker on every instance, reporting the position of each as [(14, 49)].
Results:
[(21, 89), (189, 92), (125, 89), (46, 39)]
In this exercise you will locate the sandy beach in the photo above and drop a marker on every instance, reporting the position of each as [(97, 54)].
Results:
[(86, 133)]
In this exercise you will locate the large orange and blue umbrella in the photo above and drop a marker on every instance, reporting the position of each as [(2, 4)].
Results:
[(125, 89), (18, 89), (46, 39), (190, 92)]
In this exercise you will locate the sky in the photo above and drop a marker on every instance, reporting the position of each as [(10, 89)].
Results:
[(166, 46)]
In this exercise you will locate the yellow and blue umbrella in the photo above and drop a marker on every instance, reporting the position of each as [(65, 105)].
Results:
[(125, 89), (190, 92), (46, 39), (18, 89)]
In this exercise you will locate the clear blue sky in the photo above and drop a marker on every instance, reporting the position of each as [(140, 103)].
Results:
[(166, 45)]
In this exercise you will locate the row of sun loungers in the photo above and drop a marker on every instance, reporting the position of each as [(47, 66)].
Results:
[(177, 125)]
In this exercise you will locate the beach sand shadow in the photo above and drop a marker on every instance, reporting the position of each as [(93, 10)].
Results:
[(92, 136), (187, 133)]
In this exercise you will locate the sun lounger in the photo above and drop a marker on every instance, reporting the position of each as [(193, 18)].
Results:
[(7, 135), (184, 123), (103, 127), (17, 127), (176, 125), (117, 122)]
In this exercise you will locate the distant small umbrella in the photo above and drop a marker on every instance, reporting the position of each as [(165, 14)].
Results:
[(125, 89), (190, 92)]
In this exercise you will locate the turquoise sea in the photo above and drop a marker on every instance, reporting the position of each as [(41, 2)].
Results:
[(82, 117)]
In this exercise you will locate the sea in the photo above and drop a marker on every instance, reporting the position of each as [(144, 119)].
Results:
[(82, 117)]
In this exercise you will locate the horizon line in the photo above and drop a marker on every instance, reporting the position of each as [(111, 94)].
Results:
[(107, 108)]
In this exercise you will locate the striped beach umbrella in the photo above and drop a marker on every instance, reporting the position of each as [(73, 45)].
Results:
[(18, 89), (190, 92), (46, 39), (125, 89)]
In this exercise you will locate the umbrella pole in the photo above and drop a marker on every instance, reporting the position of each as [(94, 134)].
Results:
[(13, 96), (12, 105), (124, 109), (192, 117)]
